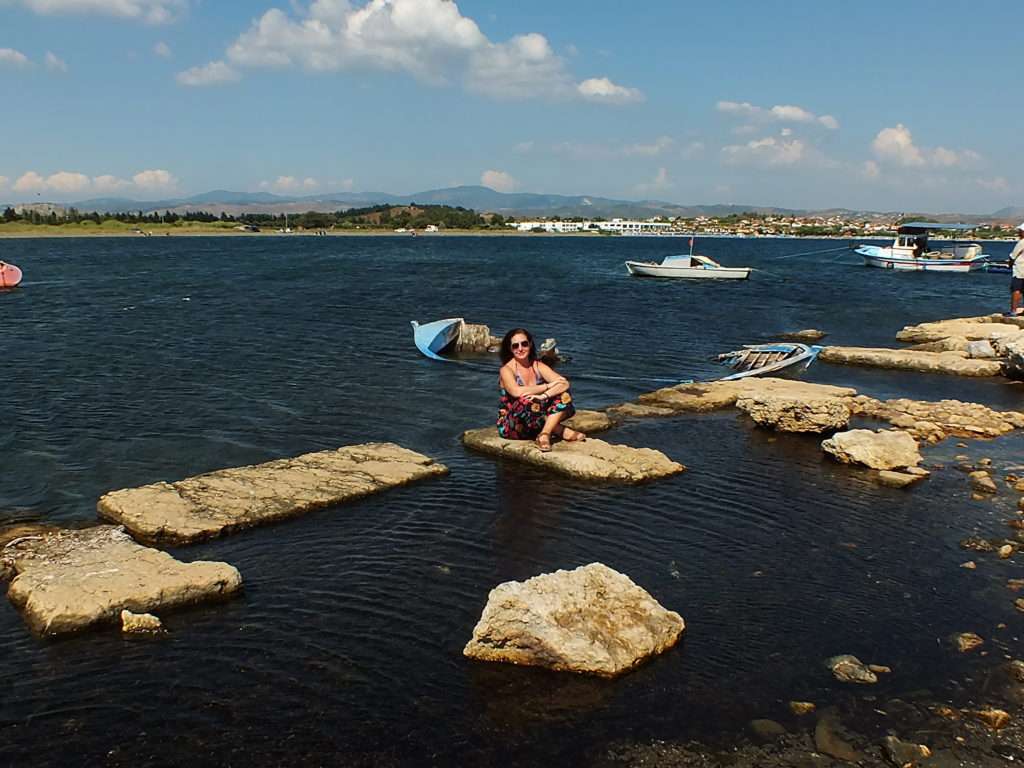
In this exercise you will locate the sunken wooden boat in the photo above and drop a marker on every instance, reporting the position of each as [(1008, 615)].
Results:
[(769, 359), (434, 338)]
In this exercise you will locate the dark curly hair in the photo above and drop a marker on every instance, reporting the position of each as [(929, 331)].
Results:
[(506, 345)]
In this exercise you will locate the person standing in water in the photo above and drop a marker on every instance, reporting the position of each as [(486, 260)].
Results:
[(1017, 268), (534, 399)]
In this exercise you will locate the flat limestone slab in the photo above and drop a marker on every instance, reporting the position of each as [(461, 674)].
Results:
[(955, 363), (591, 459), (711, 396), (70, 580), (231, 499), (971, 328)]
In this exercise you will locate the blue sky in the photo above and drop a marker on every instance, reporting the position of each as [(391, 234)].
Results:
[(879, 105)]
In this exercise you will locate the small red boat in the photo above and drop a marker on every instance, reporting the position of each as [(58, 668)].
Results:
[(10, 275)]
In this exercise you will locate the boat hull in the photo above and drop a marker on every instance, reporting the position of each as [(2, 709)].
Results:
[(642, 269), (433, 338), (10, 276), (884, 258), (793, 365)]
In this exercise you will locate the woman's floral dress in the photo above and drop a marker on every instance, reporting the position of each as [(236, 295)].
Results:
[(522, 419)]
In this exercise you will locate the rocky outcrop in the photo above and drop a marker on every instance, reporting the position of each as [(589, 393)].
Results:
[(935, 421), (807, 335), (711, 396), (591, 459), (893, 479), (476, 338), (70, 580), (592, 620), (970, 328), (955, 363), (1013, 366), (788, 414), (590, 422), (884, 449), (231, 499)]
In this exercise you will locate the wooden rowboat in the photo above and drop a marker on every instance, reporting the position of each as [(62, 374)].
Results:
[(768, 359)]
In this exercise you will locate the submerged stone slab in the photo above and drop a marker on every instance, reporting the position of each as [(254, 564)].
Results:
[(884, 449), (591, 459), (935, 421), (590, 422), (970, 328), (592, 620), (231, 499), (70, 580), (711, 396), (955, 363)]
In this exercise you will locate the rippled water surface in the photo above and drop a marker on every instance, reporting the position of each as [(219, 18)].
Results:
[(131, 361)]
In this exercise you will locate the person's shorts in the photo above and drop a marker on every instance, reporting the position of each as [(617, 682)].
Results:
[(1016, 284)]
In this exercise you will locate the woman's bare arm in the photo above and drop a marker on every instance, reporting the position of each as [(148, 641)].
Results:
[(554, 382), (508, 381)]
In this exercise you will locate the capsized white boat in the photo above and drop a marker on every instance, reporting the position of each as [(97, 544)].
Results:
[(433, 338), (769, 359), (691, 266), (910, 251)]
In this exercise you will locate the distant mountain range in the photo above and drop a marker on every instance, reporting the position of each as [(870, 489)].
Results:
[(478, 198)]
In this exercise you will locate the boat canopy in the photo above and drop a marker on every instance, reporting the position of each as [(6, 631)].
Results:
[(913, 227)]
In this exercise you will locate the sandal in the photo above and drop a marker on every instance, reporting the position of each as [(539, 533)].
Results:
[(543, 442)]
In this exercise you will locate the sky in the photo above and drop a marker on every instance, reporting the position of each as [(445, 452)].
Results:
[(896, 105)]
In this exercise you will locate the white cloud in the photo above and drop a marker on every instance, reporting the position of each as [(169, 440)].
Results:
[(214, 73), (155, 180), (523, 147), (66, 182), (13, 58), (429, 40), (30, 182), (149, 11), (162, 49), (870, 170), (603, 90), (896, 145), (659, 183), (693, 149), (781, 113), (55, 63), (499, 181), (106, 183), (768, 152), (290, 184), (659, 145), (995, 184)]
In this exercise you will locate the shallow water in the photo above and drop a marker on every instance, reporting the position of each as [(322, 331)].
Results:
[(132, 361)]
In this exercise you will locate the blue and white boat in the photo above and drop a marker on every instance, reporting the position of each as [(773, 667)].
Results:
[(434, 338), (769, 359), (910, 250)]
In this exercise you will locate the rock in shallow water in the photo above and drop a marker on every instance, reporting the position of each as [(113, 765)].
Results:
[(850, 669), (140, 623), (70, 580), (790, 414), (592, 620), (884, 449), (591, 459)]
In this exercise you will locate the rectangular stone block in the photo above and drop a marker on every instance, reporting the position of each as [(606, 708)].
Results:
[(227, 500)]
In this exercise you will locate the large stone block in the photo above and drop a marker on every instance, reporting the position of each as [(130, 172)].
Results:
[(72, 579), (592, 620), (231, 499), (591, 459), (787, 414), (884, 449)]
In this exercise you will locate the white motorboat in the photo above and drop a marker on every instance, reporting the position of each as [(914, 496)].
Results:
[(691, 266), (910, 251)]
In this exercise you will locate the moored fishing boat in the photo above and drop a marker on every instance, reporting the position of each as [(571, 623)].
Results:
[(693, 266), (768, 359), (909, 250)]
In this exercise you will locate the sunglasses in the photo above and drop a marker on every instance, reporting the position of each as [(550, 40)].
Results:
[(518, 344)]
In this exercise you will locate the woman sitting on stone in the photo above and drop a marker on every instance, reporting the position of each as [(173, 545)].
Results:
[(534, 399)]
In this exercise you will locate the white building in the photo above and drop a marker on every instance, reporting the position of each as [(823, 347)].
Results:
[(615, 226), (547, 226)]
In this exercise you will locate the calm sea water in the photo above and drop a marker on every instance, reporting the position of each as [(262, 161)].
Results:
[(131, 361)]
